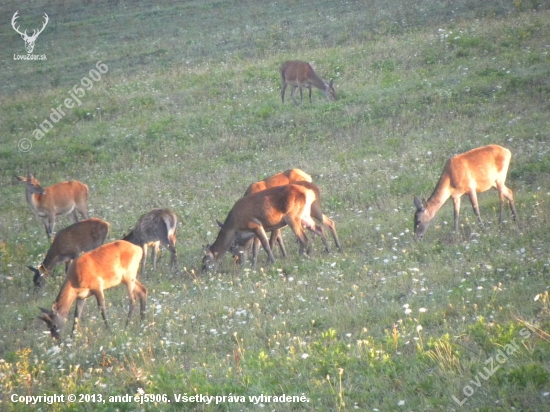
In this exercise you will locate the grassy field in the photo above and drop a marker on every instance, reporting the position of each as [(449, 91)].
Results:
[(187, 113)]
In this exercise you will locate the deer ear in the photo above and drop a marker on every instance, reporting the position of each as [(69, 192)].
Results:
[(44, 310), (54, 308), (418, 203), (330, 83), (220, 224)]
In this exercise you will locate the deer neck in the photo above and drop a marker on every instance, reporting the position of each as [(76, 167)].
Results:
[(439, 196), (316, 81), (222, 242), (65, 299)]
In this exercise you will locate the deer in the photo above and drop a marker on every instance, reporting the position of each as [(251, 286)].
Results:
[(91, 274), (65, 198), (264, 211), (468, 173), (244, 241), (278, 179), (29, 40), (152, 229), (299, 74), (68, 244)]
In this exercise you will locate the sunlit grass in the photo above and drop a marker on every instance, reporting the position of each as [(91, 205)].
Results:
[(191, 115)]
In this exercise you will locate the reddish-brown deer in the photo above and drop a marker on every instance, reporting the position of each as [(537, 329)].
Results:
[(244, 241), (57, 200), (153, 229), (92, 273), (264, 211), (69, 243), (468, 173), (241, 248), (300, 74)]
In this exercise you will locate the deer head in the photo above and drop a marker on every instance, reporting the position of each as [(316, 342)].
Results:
[(29, 40)]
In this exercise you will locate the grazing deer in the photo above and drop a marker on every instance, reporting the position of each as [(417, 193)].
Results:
[(92, 273), (300, 74), (468, 173), (153, 228), (264, 211), (29, 40), (278, 179), (69, 243), (60, 199), (244, 241)]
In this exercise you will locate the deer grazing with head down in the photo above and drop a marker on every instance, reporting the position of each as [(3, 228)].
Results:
[(264, 211), (29, 40), (152, 229), (468, 173), (241, 248), (69, 243), (57, 200), (300, 74), (244, 241), (92, 273)]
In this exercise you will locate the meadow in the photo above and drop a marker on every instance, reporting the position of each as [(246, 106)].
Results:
[(186, 113)]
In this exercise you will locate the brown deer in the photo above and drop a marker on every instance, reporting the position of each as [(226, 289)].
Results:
[(264, 211), (300, 74), (92, 273), (468, 173), (152, 229), (58, 200), (279, 179), (244, 241), (69, 243)]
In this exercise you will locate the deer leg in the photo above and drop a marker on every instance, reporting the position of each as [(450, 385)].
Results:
[(301, 100), (276, 236), (260, 233), (101, 304), (296, 226), (283, 92), (310, 94), (49, 224), (143, 259), (141, 292), (475, 206), (504, 192), (256, 243), (293, 93), (456, 203), (78, 313), (332, 227)]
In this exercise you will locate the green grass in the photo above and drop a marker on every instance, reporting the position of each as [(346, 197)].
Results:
[(191, 115)]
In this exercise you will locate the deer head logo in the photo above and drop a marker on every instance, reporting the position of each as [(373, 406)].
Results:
[(29, 40)]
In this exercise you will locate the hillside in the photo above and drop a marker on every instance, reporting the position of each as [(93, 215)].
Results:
[(180, 107)]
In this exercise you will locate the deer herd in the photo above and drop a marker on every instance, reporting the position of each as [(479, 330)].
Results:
[(288, 198)]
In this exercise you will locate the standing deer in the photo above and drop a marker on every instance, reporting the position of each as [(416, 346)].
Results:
[(244, 241), (60, 199), (29, 40), (69, 243), (92, 273), (153, 228), (264, 211), (300, 74), (279, 179), (468, 173)]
